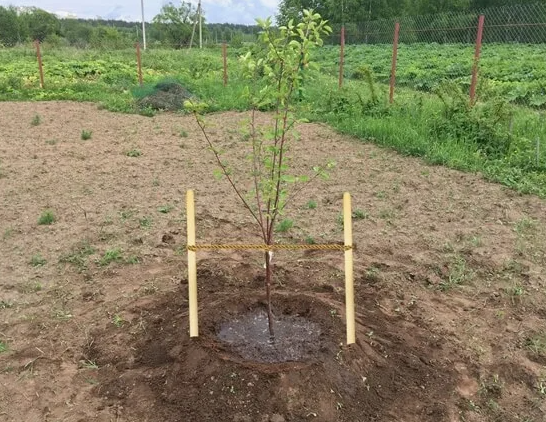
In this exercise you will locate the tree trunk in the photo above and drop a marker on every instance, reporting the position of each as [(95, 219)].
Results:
[(268, 277)]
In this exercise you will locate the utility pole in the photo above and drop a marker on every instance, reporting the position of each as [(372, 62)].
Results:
[(143, 25), (200, 25)]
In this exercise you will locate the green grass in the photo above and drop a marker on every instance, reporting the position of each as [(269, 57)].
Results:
[(46, 218), (284, 225), (3, 346), (110, 256), (413, 125)]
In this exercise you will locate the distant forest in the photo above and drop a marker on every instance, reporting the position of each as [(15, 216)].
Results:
[(171, 27), (174, 25)]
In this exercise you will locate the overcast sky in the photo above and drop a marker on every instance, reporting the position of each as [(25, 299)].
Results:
[(232, 11)]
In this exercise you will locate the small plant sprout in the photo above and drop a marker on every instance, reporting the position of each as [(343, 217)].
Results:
[(3, 346), (358, 214), (36, 120), (135, 152), (37, 260), (46, 218), (311, 204), (118, 320), (282, 56), (86, 135), (284, 225)]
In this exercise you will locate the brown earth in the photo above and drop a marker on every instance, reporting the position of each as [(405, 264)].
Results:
[(450, 281)]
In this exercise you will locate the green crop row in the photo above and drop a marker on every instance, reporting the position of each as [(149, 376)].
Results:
[(515, 72)]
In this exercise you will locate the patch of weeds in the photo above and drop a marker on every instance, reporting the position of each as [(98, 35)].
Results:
[(381, 194), (524, 225), (491, 387), (31, 287), (359, 214), (51, 142), (86, 135), (126, 214), (183, 134), (165, 209), (118, 321), (476, 241), (37, 260), (387, 214), (3, 346), (155, 182), (46, 218), (78, 255), (133, 260), (284, 225), (7, 233), (111, 255), (63, 314), (459, 273), (36, 120), (536, 343), (135, 152), (150, 288), (310, 240), (6, 304), (88, 364), (515, 293), (312, 205), (147, 111), (373, 274), (145, 222)]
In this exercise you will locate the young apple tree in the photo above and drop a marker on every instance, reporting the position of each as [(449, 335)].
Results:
[(274, 70)]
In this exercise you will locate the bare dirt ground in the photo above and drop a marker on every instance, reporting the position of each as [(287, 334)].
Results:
[(450, 281)]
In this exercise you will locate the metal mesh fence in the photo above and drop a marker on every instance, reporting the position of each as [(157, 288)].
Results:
[(435, 48), (510, 24)]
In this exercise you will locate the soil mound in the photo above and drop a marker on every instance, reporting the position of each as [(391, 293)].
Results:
[(393, 371)]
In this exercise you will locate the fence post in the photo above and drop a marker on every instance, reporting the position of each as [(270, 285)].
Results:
[(40, 66), (224, 54), (139, 63), (342, 56), (394, 60), (477, 53)]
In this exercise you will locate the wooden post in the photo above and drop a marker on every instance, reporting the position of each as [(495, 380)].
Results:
[(349, 282), (139, 63), (342, 56), (394, 60), (477, 53), (224, 54), (192, 265), (40, 66)]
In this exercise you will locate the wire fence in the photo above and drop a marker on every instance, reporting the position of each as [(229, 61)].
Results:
[(509, 24), (505, 46)]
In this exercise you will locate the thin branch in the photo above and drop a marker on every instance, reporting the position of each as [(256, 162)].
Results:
[(224, 169)]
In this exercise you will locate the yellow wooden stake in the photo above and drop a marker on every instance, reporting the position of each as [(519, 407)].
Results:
[(192, 264), (349, 282)]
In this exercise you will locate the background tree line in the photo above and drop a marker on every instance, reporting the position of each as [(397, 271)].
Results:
[(172, 27), (366, 21), (368, 10)]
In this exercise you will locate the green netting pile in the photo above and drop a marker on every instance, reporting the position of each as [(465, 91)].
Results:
[(164, 95)]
